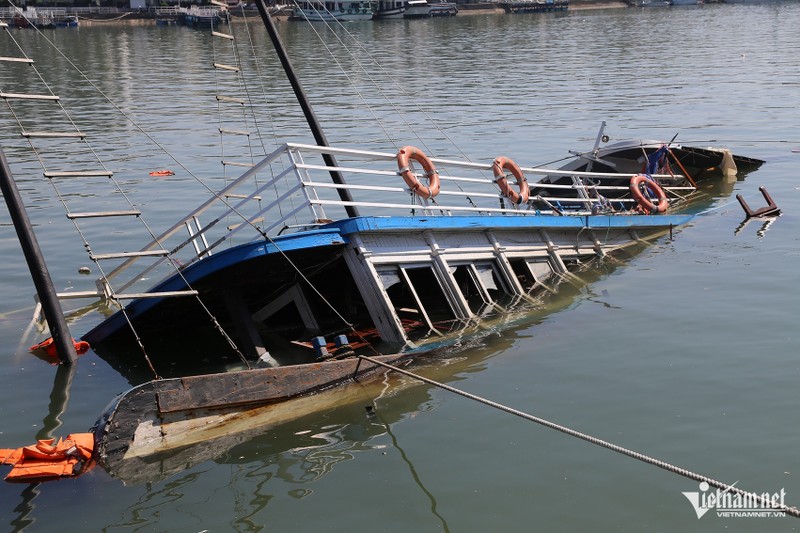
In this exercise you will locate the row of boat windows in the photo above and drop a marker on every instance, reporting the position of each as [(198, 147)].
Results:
[(422, 298), (334, 6), (417, 293)]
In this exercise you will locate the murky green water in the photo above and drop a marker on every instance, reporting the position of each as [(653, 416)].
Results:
[(687, 351)]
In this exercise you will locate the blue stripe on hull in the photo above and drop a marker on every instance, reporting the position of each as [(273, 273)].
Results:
[(472, 223)]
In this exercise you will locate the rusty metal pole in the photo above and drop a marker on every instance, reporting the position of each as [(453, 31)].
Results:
[(33, 256)]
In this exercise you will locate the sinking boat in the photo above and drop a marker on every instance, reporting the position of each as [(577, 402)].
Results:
[(315, 255), (679, 168)]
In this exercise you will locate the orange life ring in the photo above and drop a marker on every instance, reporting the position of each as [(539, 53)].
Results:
[(404, 156), (645, 203), (504, 163)]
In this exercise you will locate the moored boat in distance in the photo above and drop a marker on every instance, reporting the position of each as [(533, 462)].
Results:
[(42, 18), (390, 9), (203, 17), (339, 10), (417, 9), (651, 3), (443, 9), (534, 6)]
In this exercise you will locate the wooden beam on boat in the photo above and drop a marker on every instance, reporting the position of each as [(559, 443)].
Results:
[(258, 386), (177, 398)]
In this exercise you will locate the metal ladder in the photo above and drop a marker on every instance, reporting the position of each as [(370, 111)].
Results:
[(64, 138)]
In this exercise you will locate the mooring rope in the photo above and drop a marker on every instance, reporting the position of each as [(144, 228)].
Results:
[(765, 502)]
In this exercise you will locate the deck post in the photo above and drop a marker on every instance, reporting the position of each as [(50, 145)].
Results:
[(311, 118), (33, 256)]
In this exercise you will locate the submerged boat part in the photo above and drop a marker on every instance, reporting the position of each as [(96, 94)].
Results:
[(771, 209)]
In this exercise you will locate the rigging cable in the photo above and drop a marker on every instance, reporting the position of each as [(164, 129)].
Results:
[(119, 190), (765, 502), (380, 90)]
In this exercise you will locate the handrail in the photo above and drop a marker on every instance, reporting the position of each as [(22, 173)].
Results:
[(299, 193)]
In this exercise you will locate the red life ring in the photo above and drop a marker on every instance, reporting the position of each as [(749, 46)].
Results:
[(504, 163), (645, 203), (404, 156)]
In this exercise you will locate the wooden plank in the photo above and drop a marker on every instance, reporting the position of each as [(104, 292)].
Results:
[(233, 132), (261, 385), (16, 59), (97, 214), (79, 174), (120, 255), (157, 294), (221, 98), (20, 96), (226, 67), (243, 196), (79, 294), (53, 134)]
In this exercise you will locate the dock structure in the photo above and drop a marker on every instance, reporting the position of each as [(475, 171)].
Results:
[(534, 6)]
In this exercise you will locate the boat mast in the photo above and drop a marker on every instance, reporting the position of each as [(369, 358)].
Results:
[(33, 256), (311, 118)]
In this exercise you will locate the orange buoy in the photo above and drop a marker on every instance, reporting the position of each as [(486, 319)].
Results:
[(162, 173), (503, 163), (48, 459), (404, 156), (48, 347), (640, 182)]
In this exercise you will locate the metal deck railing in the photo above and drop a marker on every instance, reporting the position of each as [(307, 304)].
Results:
[(299, 194)]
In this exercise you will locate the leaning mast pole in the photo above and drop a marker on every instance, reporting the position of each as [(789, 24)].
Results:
[(311, 118), (33, 256)]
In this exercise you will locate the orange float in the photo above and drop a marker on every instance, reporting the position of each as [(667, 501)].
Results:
[(640, 182), (404, 157), (49, 348), (162, 173), (50, 459), (498, 167)]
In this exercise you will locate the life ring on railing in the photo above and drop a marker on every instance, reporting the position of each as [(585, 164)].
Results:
[(503, 163), (640, 181), (404, 156)]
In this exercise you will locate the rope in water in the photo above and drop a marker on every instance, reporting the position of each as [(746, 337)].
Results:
[(765, 502)]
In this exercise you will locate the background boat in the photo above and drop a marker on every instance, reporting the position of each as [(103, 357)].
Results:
[(356, 10)]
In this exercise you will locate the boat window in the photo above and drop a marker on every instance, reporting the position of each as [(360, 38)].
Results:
[(417, 296), (487, 275), (389, 277), (531, 274), (468, 283)]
